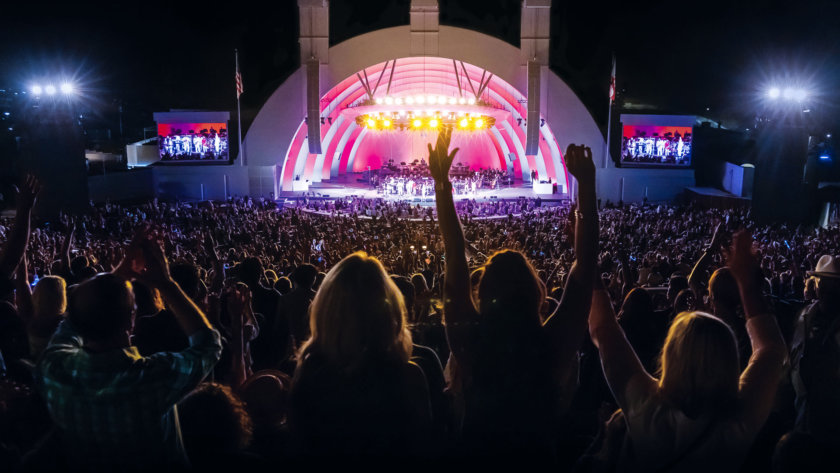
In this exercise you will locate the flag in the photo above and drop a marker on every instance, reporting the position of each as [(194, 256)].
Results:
[(239, 88), (612, 82)]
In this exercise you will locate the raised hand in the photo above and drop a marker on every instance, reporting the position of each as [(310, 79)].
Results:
[(27, 193), (579, 163), (440, 159), (741, 259)]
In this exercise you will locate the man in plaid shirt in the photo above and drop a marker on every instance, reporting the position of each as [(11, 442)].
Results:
[(116, 409)]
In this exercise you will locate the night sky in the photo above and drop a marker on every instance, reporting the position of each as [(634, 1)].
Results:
[(680, 57)]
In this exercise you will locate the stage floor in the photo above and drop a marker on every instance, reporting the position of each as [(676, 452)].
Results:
[(348, 186)]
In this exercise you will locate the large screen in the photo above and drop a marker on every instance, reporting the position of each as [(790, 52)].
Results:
[(656, 145), (202, 142)]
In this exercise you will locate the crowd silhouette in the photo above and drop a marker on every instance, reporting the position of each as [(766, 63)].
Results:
[(587, 338)]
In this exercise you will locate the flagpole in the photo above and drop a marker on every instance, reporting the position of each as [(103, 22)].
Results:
[(609, 113), (239, 111)]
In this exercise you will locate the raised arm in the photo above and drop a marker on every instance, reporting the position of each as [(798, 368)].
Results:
[(567, 326), (695, 282), (23, 293), (15, 246), (458, 307), (66, 245), (760, 379), (622, 368)]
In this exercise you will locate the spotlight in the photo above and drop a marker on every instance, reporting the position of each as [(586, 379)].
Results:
[(479, 123), (389, 100), (67, 88), (441, 99), (417, 123), (471, 101), (433, 123), (452, 101), (825, 157), (378, 101), (398, 101), (371, 123), (788, 93), (37, 90), (420, 99), (462, 101), (432, 100), (463, 123), (322, 120), (800, 95), (774, 93), (329, 119), (386, 123), (409, 100), (50, 90)]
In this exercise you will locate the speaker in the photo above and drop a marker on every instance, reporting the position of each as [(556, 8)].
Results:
[(532, 128), (778, 190), (313, 105)]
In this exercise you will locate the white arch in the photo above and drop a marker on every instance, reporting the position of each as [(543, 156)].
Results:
[(334, 168), (325, 146), (355, 148)]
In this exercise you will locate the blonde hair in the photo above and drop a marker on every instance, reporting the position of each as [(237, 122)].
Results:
[(699, 365), (49, 299), (358, 314)]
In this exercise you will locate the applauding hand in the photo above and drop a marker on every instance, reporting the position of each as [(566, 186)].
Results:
[(27, 193), (579, 163)]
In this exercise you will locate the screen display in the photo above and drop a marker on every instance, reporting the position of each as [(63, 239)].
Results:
[(204, 142), (656, 145)]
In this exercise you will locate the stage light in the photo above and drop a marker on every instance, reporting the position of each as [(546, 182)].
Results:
[(67, 88), (386, 123), (479, 123), (50, 89), (800, 95), (37, 90), (774, 93), (463, 123), (389, 100), (433, 123), (417, 123), (825, 157), (452, 101), (441, 100), (409, 100), (378, 101), (788, 93), (828, 135), (398, 101), (371, 123), (420, 99), (462, 101), (432, 100), (471, 101)]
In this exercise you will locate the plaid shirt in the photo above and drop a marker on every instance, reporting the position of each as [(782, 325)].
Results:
[(117, 408)]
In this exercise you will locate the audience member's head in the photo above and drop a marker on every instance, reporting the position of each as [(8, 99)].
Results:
[(283, 285), (101, 308), (214, 423), (250, 270), (358, 315), (49, 299), (510, 291), (186, 275), (723, 292), (303, 277), (699, 365)]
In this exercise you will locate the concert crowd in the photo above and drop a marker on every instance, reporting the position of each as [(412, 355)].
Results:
[(590, 338)]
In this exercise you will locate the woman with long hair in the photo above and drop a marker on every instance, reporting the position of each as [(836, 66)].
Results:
[(703, 412), (355, 393), (515, 371)]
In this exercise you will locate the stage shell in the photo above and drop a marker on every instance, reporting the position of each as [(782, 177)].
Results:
[(278, 136)]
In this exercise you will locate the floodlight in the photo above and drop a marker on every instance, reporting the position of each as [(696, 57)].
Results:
[(50, 89), (67, 88), (774, 92), (37, 90)]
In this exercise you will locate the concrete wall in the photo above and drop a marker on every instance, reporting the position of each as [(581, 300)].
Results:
[(661, 184), (182, 182)]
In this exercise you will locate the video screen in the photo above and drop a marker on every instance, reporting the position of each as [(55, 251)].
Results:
[(655, 145), (204, 142)]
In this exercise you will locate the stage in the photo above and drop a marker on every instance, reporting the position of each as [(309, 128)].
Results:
[(349, 186)]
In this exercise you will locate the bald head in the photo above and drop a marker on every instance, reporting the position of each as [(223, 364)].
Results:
[(102, 307)]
